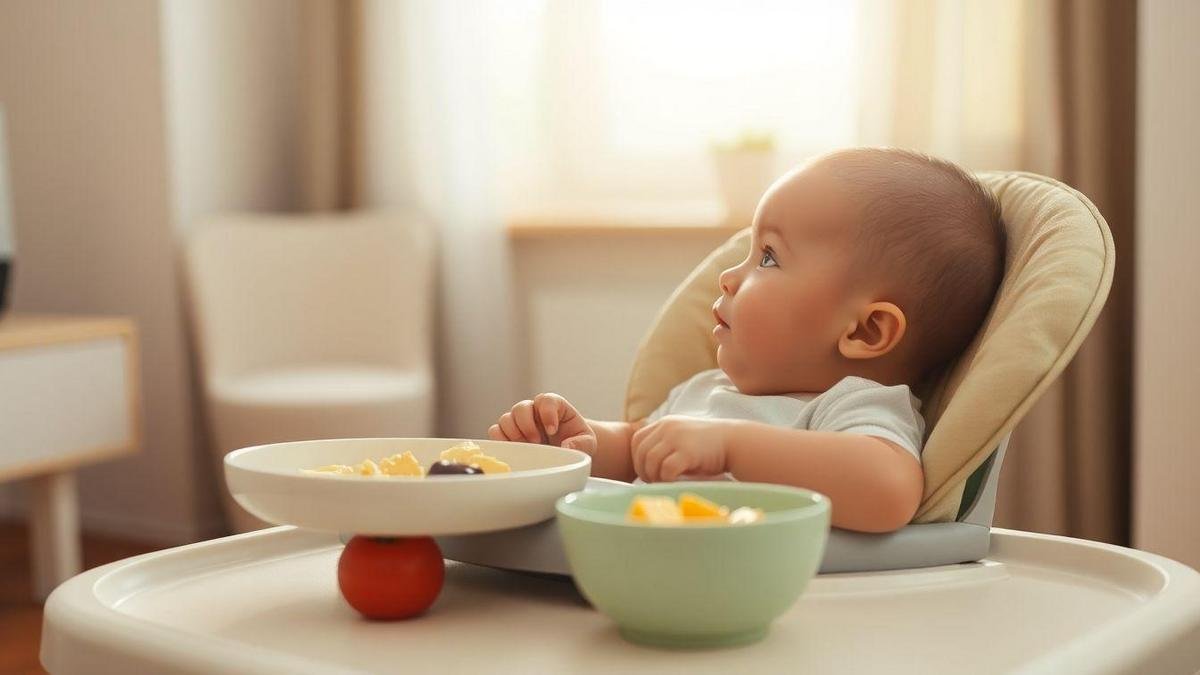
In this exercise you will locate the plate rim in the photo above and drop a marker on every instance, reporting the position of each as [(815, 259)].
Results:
[(231, 458)]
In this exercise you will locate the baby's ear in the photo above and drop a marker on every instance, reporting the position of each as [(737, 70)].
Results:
[(876, 330)]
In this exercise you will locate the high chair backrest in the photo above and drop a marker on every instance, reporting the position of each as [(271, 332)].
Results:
[(1059, 268), (278, 290)]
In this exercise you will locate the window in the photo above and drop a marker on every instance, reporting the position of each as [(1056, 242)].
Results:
[(623, 99)]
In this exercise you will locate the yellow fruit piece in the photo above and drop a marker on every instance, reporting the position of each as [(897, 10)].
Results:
[(401, 465), (470, 453), (490, 464), (342, 469), (368, 468), (745, 515), (655, 511), (462, 453), (695, 506)]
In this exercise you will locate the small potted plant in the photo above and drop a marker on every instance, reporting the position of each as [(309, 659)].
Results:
[(745, 168)]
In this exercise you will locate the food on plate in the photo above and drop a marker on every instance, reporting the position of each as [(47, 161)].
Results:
[(691, 509), (470, 453), (466, 458), (462, 453), (401, 465), (448, 468), (489, 464), (391, 577)]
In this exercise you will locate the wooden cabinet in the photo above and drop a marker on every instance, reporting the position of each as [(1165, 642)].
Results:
[(69, 396)]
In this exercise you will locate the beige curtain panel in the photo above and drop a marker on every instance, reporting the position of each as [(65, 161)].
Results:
[(1070, 472), (330, 46)]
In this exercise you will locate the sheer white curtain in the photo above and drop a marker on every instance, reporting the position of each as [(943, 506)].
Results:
[(958, 79), (611, 100), (433, 109)]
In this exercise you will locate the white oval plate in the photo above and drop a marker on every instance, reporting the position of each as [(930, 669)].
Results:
[(268, 481)]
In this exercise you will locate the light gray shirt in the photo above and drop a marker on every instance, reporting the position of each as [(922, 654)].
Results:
[(854, 405)]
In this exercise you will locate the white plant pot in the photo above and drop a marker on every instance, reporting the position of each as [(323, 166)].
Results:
[(743, 176)]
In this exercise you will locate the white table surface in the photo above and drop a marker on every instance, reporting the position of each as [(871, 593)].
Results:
[(268, 602)]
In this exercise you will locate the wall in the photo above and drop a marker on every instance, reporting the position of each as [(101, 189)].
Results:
[(82, 85), (1167, 467)]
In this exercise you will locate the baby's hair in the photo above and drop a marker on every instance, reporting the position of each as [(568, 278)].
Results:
[(935, 228)]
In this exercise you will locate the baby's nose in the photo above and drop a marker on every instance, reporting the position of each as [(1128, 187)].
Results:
[(729, 281)]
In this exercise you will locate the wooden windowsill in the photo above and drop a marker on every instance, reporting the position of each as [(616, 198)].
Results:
[(623, 218)]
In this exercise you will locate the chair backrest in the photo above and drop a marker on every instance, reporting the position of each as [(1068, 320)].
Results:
[(1059, 268), (270, 291)]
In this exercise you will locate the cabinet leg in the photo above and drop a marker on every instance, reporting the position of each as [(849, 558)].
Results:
[(54, 531)]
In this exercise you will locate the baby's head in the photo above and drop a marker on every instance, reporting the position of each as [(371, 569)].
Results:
[(873, 262)]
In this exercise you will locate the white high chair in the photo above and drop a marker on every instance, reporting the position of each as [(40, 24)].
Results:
[(1058, 271), (1059, 268)]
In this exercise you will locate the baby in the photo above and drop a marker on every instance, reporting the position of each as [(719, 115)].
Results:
[(869, 270)]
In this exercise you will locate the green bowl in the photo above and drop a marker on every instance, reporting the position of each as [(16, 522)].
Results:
[(694, 585)]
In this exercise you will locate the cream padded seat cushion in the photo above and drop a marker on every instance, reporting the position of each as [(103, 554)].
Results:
[(1059, 269), (322, 386)]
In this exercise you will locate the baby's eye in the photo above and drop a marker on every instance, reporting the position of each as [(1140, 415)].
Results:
[(768, 258)]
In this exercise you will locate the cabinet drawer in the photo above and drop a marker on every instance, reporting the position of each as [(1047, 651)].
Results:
[(64, 402)]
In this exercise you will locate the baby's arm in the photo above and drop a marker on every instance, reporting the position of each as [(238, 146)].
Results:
[(552, 420), (611, 458), (874, 484)]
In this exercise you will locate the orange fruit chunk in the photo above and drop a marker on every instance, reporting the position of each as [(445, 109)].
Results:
[(695, 506)]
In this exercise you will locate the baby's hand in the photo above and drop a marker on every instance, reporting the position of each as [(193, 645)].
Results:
[(676, 445), (548, 419)]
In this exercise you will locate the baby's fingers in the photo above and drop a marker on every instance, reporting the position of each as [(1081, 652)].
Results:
[(672, 468), (549, 411), (522, 414), (582, 442), (496, 434), (508, 427), (652, 462), (645, 438)]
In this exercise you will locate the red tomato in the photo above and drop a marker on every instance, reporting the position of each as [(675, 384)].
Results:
[(391, 577)]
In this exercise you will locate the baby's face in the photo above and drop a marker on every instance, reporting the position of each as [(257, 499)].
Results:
[(782, 309)]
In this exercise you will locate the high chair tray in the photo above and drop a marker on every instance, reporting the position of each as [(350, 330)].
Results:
[(267, 602)]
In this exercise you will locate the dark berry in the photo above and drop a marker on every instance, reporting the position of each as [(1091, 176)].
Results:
[(446, 468)]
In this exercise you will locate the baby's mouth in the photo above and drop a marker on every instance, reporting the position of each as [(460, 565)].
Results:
[(720, 322)]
